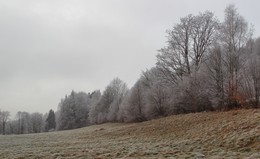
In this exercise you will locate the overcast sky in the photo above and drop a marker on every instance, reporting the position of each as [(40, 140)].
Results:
[(50, 47)]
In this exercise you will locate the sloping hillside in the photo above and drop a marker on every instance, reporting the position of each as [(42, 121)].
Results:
[(232, 134)]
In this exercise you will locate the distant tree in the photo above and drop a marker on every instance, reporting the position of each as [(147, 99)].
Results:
[(120, 90), (24, 125), (4, 115), (73, 111), (36, 121), (10, 129), (107, 108), (44, 123), (19, 126), (156, 94), (50, 121), (133, 105), (1, 127), (67, 117)]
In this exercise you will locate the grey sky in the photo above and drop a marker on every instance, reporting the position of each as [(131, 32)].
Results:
[(48, 48)]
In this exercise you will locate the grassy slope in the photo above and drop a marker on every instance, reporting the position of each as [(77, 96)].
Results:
[(233, 134)]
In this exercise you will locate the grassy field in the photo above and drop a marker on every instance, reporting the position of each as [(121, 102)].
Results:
[(232, 134)]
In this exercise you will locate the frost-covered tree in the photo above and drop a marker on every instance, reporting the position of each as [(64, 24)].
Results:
[(36, 121), (187, 44), (156, 93), (254, 68), (44, 117), (235, 34), (120, 90), (254, 72), (93, 109), (192, 95), (215, 75), (73, 111), (133, 105), (10, 127), (107, 108), (204, 33), (24, 125), (4, 116), (149, 98), (174, 59), (250, 82), (66, 110)]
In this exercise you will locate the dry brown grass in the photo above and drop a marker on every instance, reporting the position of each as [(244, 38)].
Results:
[(232, 134)]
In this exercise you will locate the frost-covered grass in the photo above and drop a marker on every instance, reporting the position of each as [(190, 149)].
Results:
[(233, 134)]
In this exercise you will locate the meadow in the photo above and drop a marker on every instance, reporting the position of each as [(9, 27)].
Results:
[(231, 134)]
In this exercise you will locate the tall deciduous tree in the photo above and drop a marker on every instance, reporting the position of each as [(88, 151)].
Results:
[(235, 34), (187, 44), (204, 31), (174, 59)]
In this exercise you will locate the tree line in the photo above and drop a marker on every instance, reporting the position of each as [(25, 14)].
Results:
[(205, 65), (25, 122)]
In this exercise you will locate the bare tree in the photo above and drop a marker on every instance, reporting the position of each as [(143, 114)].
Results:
[(204, 29), (254, 70), (174, 59), (251, 74), (187, 44), (4, 116), (235, 34)]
